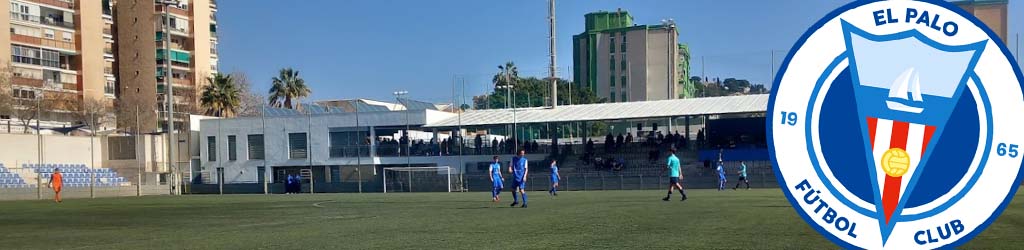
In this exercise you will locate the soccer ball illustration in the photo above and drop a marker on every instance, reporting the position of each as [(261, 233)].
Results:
[(895, 162)]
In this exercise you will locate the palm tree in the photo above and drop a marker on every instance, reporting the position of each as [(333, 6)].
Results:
[(507, 75), (286, 87), (221, 97)]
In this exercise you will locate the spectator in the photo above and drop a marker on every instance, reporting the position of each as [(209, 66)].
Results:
[(535, 146), (661, 138), (494, 145), (618, 141), (609, 142), (629, 137), (700, 137), (589, 148), (479, 143)]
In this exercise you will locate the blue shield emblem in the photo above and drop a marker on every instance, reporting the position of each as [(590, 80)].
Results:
[(906, 87)]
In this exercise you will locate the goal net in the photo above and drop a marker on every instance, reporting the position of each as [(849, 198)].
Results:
[(420, 179)]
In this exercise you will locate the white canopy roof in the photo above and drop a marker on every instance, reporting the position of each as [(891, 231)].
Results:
[(612, 111)]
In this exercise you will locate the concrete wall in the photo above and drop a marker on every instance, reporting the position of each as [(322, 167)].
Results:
[(21, 149), (24, 148)]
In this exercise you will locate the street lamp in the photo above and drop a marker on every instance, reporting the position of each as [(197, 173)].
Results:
[(510, 89), (398, 98), (169, 87)]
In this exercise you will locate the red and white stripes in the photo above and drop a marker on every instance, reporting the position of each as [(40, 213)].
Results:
[(887, 134)]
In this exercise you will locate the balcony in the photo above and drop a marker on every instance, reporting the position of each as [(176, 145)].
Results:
[(67, 4), (108, 70), (43, 20), (108, 51), (108, 32), (21, 81), (173, 10)]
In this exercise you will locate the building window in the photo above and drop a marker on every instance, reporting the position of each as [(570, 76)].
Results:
[(611, 97), (611, 45), (297, 146), (34, 56), (348, 144), (24, 94), (611, 63), (623, 48), (232, 154), (48, 34), (624, 95), (211, 148), (611, 81), (255, 147), (623, 64), (67, 37)]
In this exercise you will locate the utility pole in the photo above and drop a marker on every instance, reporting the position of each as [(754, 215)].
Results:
[(551, 45), (169, 91), (138, 159)]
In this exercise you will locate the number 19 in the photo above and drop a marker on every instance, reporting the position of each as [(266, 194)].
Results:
[(788, 118)]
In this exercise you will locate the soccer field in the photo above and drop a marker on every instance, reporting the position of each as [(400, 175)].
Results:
[(754, 219)]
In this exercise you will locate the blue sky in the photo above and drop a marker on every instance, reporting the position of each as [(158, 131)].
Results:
[(370, 48)]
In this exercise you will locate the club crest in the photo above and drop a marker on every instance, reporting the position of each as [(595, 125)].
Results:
[(894, 124)]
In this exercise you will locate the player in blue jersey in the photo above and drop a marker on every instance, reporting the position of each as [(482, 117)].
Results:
[(674, 175), (721, 176), (554, 178), (743, 176), (495, 172), (519, 169)]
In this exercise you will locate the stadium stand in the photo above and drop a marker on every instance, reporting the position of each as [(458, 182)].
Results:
[(9, 179), (78, 175)]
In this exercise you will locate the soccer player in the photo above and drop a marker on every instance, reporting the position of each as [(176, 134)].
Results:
[(674, 176), (519, 170), (554, 178), (56, 183), (743, 176), (495, 173), (721, 176)]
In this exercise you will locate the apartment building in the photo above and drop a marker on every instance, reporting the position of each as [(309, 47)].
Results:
[(625, 62), (109, 50)]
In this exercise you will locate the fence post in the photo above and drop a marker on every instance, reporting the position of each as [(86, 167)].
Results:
[(602, 181), (641, 181), (359, 174), (621, 185), (567, 182), (584, 182)]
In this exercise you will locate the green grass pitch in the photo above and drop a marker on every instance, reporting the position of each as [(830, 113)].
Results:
[(754, 219)]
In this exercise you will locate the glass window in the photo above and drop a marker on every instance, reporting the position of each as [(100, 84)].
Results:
[(611, 63), (611, 45), (232, 154), (624, 95), (48, 34), (255, 147), (297, 146), (211, 148), (611, 81), (611, 97), (624, 82)]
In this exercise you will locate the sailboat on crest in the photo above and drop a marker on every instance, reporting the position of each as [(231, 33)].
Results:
[(900, 99)]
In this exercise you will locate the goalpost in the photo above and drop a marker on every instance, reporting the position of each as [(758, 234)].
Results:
[(428, 176)]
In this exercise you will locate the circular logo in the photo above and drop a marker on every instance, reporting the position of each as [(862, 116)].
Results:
[(895, 124)]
